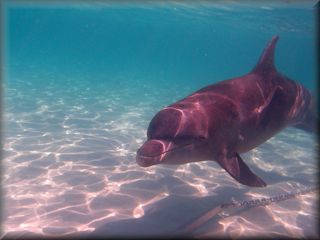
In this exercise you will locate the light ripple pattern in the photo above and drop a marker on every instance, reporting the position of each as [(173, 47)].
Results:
[(69, 167)]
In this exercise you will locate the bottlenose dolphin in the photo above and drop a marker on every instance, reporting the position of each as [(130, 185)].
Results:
[(233, 116)]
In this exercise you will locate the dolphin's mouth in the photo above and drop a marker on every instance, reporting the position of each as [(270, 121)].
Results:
[(153, 152), (166, 151)]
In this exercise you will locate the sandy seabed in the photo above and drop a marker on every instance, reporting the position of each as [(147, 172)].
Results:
[(69, 167)]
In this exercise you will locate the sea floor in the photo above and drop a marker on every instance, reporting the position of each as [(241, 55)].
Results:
[(69, 167)]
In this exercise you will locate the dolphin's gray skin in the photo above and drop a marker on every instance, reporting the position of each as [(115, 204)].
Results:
[(222, 120)]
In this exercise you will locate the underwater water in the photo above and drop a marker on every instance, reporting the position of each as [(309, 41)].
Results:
[(82, 82)]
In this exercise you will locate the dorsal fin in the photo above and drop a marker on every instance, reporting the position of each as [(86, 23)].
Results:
[(266, 61)]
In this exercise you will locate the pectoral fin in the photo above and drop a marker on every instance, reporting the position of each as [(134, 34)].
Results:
[(240, 171)]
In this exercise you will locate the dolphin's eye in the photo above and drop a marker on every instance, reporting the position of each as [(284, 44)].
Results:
[(202, 138)]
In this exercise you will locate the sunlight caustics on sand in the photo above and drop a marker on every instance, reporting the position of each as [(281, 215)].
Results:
[(70, 167)]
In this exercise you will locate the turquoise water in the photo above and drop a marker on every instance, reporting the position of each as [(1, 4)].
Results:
[(82, 81)]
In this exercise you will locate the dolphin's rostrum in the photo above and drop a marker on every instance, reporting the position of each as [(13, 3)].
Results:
[(233, 116)]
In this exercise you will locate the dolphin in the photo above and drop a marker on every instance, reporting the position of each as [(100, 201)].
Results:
[(222, 120)]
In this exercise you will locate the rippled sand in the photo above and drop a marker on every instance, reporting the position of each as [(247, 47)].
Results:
[(69, 167)]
